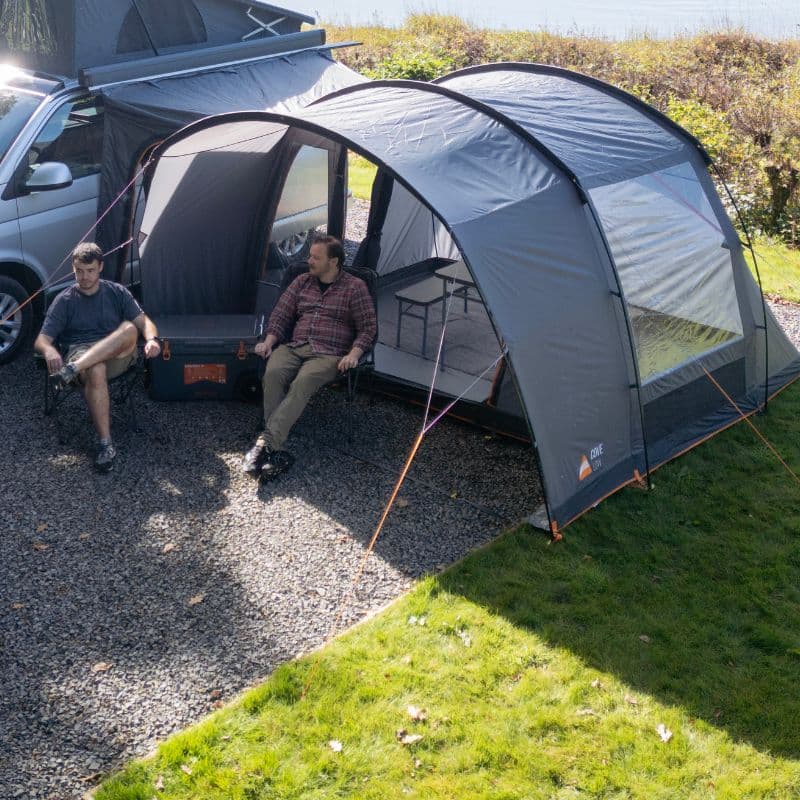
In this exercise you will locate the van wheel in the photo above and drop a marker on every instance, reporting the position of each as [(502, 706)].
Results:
[(297, 245), (15, 320)]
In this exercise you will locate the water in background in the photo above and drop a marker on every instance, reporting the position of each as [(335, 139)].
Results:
[(616, 19)]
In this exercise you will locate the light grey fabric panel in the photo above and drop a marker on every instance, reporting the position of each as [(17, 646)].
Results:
[(283, 84), (411, 234), (779, 351), (539, 273), (465, 163), (593, 133), (675, 273)]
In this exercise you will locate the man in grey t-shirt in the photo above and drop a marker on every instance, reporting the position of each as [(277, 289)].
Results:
[(98, 322)]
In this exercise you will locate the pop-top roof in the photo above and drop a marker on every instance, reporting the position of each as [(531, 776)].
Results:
[(64, 36)]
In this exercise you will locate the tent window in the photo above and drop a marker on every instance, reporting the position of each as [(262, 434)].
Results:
[(676, 275), (179, 23), (303, 205)]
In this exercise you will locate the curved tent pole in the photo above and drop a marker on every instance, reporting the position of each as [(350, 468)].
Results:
[(289, 121), (758, 277)]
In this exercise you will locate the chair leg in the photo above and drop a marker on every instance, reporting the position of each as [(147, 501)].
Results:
[(49, 398)]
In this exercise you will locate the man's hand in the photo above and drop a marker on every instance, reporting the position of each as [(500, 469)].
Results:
[(152, 348), (53, 359), (350, 360), (263, 349)]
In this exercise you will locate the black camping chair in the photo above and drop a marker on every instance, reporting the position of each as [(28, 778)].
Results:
[(121, 390)]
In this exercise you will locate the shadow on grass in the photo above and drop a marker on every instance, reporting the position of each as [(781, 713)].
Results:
[(690, 593)]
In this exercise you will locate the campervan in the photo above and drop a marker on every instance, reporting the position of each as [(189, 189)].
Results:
[(51, 161)]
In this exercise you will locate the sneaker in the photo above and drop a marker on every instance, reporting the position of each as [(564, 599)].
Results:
[(66, 376), (105, 457), (279, 461), (255, 457)]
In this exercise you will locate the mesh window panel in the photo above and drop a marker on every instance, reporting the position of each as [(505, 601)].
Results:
[(171, 24), (676, 275)]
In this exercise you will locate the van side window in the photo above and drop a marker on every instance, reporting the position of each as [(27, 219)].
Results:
[(73, 136)]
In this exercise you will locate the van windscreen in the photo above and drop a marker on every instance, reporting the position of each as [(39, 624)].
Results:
[(15, 109)]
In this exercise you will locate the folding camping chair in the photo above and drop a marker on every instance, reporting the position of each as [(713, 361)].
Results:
[(120, 389)]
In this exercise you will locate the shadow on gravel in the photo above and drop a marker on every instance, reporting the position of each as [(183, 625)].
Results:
[(131, 603), (463, 487)]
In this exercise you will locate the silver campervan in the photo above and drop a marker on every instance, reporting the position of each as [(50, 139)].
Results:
[(76, 123)]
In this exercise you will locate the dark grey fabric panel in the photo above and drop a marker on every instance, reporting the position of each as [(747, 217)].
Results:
[(552, 306), (197, 258), (76, 34), (155, 24), (226, 20)]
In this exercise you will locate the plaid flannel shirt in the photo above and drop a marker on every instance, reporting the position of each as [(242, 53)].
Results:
[(332, 323)]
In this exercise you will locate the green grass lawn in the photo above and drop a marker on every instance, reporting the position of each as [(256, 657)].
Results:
[(545, 670), (360, 174), (779, 267)]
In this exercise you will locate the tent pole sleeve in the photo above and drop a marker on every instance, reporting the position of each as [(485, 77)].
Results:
[(758, 279), (620, 295)]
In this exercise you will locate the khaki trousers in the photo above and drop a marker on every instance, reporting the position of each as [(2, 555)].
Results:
[(292, 376)]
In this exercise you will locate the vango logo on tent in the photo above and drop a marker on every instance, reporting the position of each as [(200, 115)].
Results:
[(585, 469)]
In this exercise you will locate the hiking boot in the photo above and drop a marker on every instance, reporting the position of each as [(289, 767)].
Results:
[(105, 457), (67, 375), (256, 457), (278, 462)]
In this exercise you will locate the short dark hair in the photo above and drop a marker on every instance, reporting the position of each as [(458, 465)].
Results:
[(87, 253), (332, 245)]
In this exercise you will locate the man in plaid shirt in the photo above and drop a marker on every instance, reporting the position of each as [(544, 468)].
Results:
[(322, 324)]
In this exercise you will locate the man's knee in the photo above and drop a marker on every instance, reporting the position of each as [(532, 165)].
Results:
[(96, 376), (308, 381), (129, 331)]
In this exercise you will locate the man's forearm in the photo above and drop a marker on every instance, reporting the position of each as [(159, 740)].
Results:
[(149, 329), (43, 344)]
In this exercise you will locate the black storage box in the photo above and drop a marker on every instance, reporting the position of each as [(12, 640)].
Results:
[(208, 357)]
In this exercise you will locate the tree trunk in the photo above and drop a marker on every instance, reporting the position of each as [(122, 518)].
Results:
[(25, 25)]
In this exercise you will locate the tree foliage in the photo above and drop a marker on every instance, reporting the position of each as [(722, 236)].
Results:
[(737, 93)]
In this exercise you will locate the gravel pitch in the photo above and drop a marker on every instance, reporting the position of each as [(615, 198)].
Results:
[(132, 604)]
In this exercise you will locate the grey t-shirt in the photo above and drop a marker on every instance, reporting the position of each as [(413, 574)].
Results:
[(76, 318)]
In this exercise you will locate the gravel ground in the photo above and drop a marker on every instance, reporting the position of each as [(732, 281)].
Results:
[(132, 604), (108, 570)]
